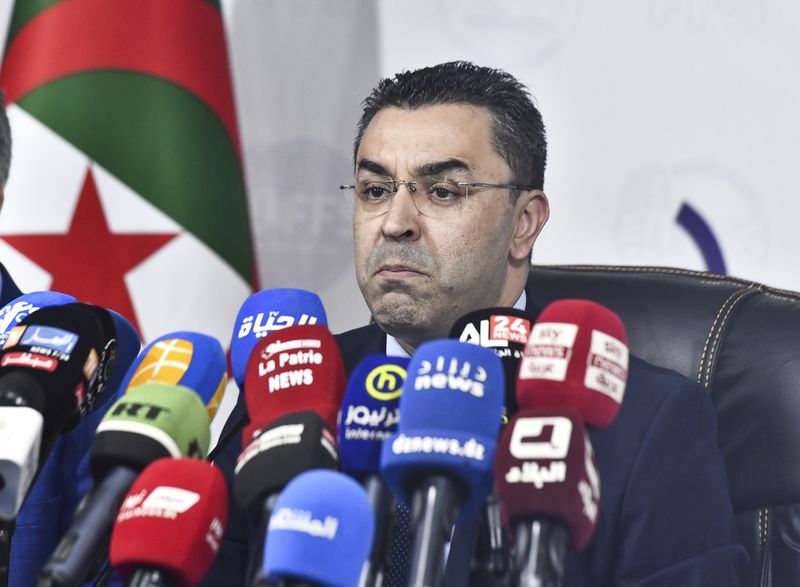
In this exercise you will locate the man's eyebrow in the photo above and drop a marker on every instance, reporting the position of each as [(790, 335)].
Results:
[(373, 166), (439, 167)]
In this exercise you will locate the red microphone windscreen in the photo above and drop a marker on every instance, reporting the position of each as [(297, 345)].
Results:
[(576, 355), (172, 519), (544, 468), (292, 370)]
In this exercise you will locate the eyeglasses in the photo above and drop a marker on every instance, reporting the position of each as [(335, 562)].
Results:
[(434, 196)]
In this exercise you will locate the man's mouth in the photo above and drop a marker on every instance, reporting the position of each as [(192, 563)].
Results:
[(398, 271)]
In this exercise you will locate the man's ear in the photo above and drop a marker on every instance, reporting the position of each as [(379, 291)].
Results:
[(530, 214)]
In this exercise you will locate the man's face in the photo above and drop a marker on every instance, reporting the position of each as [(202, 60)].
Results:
[(419, 274)]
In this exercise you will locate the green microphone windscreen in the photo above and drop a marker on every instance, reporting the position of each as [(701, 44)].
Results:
[(151, 421)]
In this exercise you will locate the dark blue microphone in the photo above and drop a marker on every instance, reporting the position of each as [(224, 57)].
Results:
[(440, 458), (370, 413), (267, 311), (320, 532)]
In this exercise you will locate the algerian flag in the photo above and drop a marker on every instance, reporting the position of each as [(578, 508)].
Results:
[(126, 187)]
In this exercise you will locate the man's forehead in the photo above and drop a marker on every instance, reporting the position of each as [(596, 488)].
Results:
[(456, 136)]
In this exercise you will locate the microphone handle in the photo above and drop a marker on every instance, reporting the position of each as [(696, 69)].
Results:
[(380, 497), (254, 574), (541, 546), (85, 545), (435, 503), (150, 577)]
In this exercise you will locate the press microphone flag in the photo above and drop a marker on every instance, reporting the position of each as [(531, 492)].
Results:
[(370, 412), (503, 330), (58, 360), (289, 446), (265, 312), (577, 355), (294, 369), (545, 468), (320, 531), (190, 359), (170, 523), (17, 309)]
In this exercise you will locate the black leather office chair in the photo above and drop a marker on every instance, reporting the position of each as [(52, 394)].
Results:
[(741, 341)]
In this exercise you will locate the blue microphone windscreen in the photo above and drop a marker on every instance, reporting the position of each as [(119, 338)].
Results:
[(370, 410), (267, 311), (191, 359), (14, 311), (450, 414), (321, 530)]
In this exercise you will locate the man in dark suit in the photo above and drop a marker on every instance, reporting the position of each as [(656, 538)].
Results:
[(447, 204)]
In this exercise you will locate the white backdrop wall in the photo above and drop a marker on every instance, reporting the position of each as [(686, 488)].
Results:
[(651, 107)]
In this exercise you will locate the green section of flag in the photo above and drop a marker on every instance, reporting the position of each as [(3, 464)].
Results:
[(25, 10), (163, 143)]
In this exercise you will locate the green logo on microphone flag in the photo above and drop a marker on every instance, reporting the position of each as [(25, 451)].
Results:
[(126, 187)]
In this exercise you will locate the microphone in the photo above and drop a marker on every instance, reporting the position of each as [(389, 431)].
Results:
[(190, 359), (20, 439), (58, 360), (370, 413), (292, 370), (320, 532), (439, 460), (547, 478), (169, 528), (505, 331), (265, 312), (576, 359), (17, 309), (279, 452), (577, 355), (151, 421)]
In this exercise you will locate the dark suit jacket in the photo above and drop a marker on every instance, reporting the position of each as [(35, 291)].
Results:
[(665, 513)]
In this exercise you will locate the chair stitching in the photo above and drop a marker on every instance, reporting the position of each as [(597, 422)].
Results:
[(710, 277), (713, 332), (704, 277)]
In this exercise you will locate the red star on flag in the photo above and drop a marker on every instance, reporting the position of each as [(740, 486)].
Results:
[(89, 261)]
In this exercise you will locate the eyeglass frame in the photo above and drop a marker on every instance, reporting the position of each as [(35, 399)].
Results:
[(411, 184)]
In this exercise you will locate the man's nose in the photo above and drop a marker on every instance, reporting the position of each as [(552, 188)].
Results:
[(402, 218)]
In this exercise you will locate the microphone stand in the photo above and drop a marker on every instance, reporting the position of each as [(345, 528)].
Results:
[(6, 531), (541, 546), (434, 508), (381, 500)]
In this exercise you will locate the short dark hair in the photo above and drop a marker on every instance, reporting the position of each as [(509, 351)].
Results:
[(517, 126), (5, 143)]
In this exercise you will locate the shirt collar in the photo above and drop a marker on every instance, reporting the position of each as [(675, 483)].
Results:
[(393, 348)]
